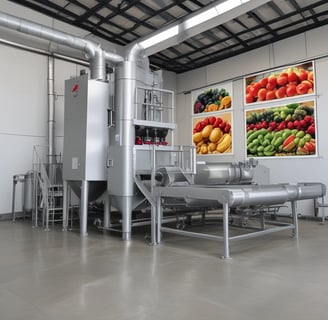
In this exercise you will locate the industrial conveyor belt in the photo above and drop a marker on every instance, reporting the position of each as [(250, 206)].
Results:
[(234, 196)]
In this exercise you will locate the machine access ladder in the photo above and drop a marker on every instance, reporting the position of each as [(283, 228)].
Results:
[(48, 189)]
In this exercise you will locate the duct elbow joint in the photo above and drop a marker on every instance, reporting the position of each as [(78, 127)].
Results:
[(96, 57), (135, 52)]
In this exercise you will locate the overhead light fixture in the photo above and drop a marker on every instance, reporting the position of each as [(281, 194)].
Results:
[(162, 36), (212, 13), (228, 5), (219, 12), (199, 18)]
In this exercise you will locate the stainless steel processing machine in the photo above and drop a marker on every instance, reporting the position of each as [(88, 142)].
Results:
[(228, 187), (109, 138)]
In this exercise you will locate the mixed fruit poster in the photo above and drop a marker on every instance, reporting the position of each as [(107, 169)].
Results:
[(212, 120), (280, 113)]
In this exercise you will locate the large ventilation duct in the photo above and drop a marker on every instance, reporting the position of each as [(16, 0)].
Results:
[(215, 14), (94, 53)]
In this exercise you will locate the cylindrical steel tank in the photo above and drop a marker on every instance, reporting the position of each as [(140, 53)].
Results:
[(223, 173), (28, 192)]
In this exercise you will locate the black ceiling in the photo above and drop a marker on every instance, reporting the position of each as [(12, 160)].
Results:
[(124, 21)]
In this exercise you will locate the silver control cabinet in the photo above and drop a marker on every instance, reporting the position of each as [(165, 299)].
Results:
[(85, 129)]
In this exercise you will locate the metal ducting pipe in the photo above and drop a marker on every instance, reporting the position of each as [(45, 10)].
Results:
[(51, 110), (94, 53), (126, 82)]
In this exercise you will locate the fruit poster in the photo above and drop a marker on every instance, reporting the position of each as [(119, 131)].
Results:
[(286, 130), (212, 134), (289, 82), (212, 99)]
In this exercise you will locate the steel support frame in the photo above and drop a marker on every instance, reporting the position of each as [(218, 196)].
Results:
[(281, 226)]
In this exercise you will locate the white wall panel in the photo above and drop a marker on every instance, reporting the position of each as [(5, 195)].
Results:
[(24, 113), (23, 92), (191, 79), (243, 64), (290, 50), (16, 158), (322, 111), (317, 44), (23, 116), (183, 118)]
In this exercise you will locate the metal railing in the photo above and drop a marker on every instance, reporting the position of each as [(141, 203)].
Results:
[(48, 187)]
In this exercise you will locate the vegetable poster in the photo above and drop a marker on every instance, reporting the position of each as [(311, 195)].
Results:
[(212, 119), (283, 83), (286, 130), (212, 99)]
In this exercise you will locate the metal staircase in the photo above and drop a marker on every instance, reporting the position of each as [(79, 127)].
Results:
[(48, 188)]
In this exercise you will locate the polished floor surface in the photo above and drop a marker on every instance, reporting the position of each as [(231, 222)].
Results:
[(55, 275)]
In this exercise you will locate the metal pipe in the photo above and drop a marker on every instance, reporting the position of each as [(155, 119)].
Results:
[(295, 221), (65, 205), (113, 57), (45, 53), (134, 53), (107, 208), (192, 234), (121, 174), (51, 110), (93, 51), (13, 199), (226, 230), (262, 232), (127, 218), (159, 220), (84, 208), (124, 130)]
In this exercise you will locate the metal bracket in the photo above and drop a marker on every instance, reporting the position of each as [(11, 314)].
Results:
[(110, 121)]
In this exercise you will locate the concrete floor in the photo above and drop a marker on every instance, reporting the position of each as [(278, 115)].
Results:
[(55, 275)]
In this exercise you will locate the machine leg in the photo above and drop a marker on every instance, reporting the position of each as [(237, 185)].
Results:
[(153, 225), (13, 200), (84, 208), (47, 213), (226, 231), (323, 215), (126, 217), (107, 206), (322, 210), (262, 220), (65, 205), (295, 221), (159, 213), (36, 200)]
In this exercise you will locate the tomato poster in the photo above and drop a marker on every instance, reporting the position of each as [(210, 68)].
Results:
[(287, 130), (212, 134), (289, 82), (212, 99)]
